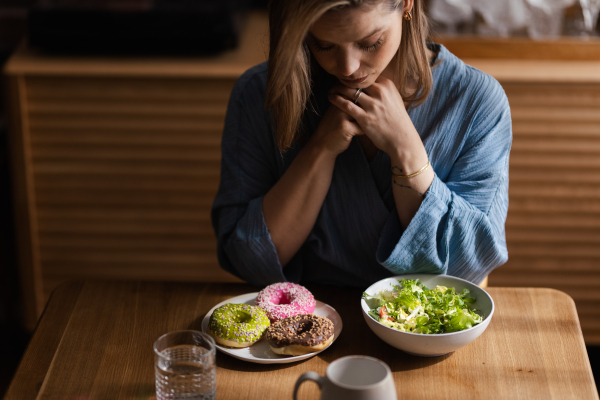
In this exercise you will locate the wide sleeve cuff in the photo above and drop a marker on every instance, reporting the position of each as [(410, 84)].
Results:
[(250, 249), (448, 235), (420, 248)]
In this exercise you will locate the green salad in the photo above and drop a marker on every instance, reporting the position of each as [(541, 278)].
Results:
[(412, 307)]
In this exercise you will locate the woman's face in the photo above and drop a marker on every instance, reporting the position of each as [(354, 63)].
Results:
[(357, 44)]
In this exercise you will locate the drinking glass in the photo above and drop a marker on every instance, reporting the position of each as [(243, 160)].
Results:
[(184, 366)]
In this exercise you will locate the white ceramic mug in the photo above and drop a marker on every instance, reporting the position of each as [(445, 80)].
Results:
[(353, 378)]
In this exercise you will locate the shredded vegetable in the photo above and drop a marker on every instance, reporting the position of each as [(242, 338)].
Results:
[(412, 307)]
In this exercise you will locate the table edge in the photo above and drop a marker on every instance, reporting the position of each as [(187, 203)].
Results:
[(25, 376)]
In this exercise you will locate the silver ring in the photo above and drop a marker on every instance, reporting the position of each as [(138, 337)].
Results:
[(357, 95)]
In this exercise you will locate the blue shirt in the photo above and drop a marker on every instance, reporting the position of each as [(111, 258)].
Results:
[(465, 125)]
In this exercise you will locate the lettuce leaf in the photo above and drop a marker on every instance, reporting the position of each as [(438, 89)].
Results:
[(418, 309)]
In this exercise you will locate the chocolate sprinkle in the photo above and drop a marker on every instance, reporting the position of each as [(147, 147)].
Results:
[(303, 330)]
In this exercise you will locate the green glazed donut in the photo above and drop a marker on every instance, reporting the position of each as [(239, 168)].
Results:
[(237, 325)]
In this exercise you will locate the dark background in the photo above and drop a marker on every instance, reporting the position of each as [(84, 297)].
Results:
[(13, 19), (13, 25)]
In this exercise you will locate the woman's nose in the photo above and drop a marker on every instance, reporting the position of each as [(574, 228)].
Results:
[(348, 63)]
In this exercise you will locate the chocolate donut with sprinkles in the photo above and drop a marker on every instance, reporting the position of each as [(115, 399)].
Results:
[(237, 325), (285, 299), (300, 334)]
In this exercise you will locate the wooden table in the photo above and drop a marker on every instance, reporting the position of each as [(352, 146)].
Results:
[(94, 341)]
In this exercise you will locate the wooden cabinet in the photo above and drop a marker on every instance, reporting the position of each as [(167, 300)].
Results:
[(116, 163)]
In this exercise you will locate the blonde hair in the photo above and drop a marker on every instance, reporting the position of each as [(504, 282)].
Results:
[(289, 68)]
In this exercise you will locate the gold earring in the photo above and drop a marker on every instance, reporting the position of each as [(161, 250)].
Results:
[(407, 16)]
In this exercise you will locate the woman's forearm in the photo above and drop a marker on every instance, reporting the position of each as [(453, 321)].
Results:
[(291, 207), (410, 192)]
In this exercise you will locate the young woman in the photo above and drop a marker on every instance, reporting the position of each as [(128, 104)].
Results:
[(359, 151)]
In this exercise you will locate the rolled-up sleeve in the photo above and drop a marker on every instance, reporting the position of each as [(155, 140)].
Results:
[(248, 170), (459, 228)]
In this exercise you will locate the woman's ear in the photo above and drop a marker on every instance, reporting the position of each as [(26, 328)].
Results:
[(408, 5)]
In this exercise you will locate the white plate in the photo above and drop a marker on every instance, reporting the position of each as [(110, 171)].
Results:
[(260, 352)]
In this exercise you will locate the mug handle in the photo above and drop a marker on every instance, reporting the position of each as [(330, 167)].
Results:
[(308, 376)]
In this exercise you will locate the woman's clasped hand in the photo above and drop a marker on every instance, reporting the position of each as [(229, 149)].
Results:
[(379, 112), (336, 130)]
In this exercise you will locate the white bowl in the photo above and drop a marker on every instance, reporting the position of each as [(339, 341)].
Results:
[(430, 345)]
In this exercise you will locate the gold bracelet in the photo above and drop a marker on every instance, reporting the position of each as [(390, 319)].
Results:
[(413, 174)]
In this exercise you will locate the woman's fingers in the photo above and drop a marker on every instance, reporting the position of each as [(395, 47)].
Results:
[(348, 123), (347, 106), (351, 94), (355, 128), (345, 91)]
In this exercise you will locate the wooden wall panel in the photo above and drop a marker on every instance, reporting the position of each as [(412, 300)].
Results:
[(124, 174), (553, 224)]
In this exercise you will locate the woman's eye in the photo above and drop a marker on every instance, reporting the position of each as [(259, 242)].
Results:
[(318, 47), (372, 47), (321, 49)]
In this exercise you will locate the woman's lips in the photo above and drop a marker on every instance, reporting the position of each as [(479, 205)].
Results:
[(359, 80)]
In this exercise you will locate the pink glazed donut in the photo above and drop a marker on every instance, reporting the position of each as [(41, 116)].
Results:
[(285, 299)]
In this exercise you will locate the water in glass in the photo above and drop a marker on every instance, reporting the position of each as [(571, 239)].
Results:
[(185, 372)]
